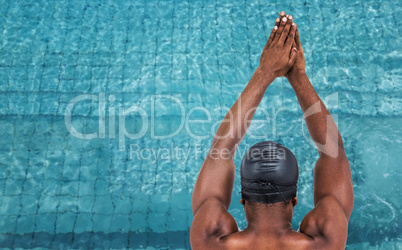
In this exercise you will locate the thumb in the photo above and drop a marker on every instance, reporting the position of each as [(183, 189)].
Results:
[(293, 57)]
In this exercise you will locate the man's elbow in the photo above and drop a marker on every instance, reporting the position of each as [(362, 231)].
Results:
[(223, 150), (332, 150), (331, 145)]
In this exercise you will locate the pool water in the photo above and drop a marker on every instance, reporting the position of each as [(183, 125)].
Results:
[(118, 172)]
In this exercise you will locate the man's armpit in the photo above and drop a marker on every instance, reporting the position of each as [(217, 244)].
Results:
[(212, 222), (326, 224)]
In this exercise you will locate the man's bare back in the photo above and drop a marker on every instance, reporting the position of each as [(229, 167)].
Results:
[(289, 240), (268, 219)]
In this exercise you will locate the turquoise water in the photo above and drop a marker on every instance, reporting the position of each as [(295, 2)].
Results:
[(166, 58)]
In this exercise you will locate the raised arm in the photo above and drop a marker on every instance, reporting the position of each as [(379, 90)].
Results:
[(333, 190), (216, 177), (213, 189)]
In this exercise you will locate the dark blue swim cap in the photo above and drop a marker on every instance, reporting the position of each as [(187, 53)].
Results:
[(269, 173)]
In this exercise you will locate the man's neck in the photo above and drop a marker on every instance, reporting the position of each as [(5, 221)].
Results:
[(272, 219)]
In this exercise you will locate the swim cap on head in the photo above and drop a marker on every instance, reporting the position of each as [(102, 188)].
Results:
[(269, 173)]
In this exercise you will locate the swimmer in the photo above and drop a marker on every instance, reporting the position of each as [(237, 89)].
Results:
[(269, 171)]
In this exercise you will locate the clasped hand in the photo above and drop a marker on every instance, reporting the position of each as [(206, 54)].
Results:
[(279, 53)]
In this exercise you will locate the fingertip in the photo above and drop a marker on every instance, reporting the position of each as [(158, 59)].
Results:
[(284, 19), (276, 27)]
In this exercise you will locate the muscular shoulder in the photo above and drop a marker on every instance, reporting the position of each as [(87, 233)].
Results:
[(211, 223), (327, 224)]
